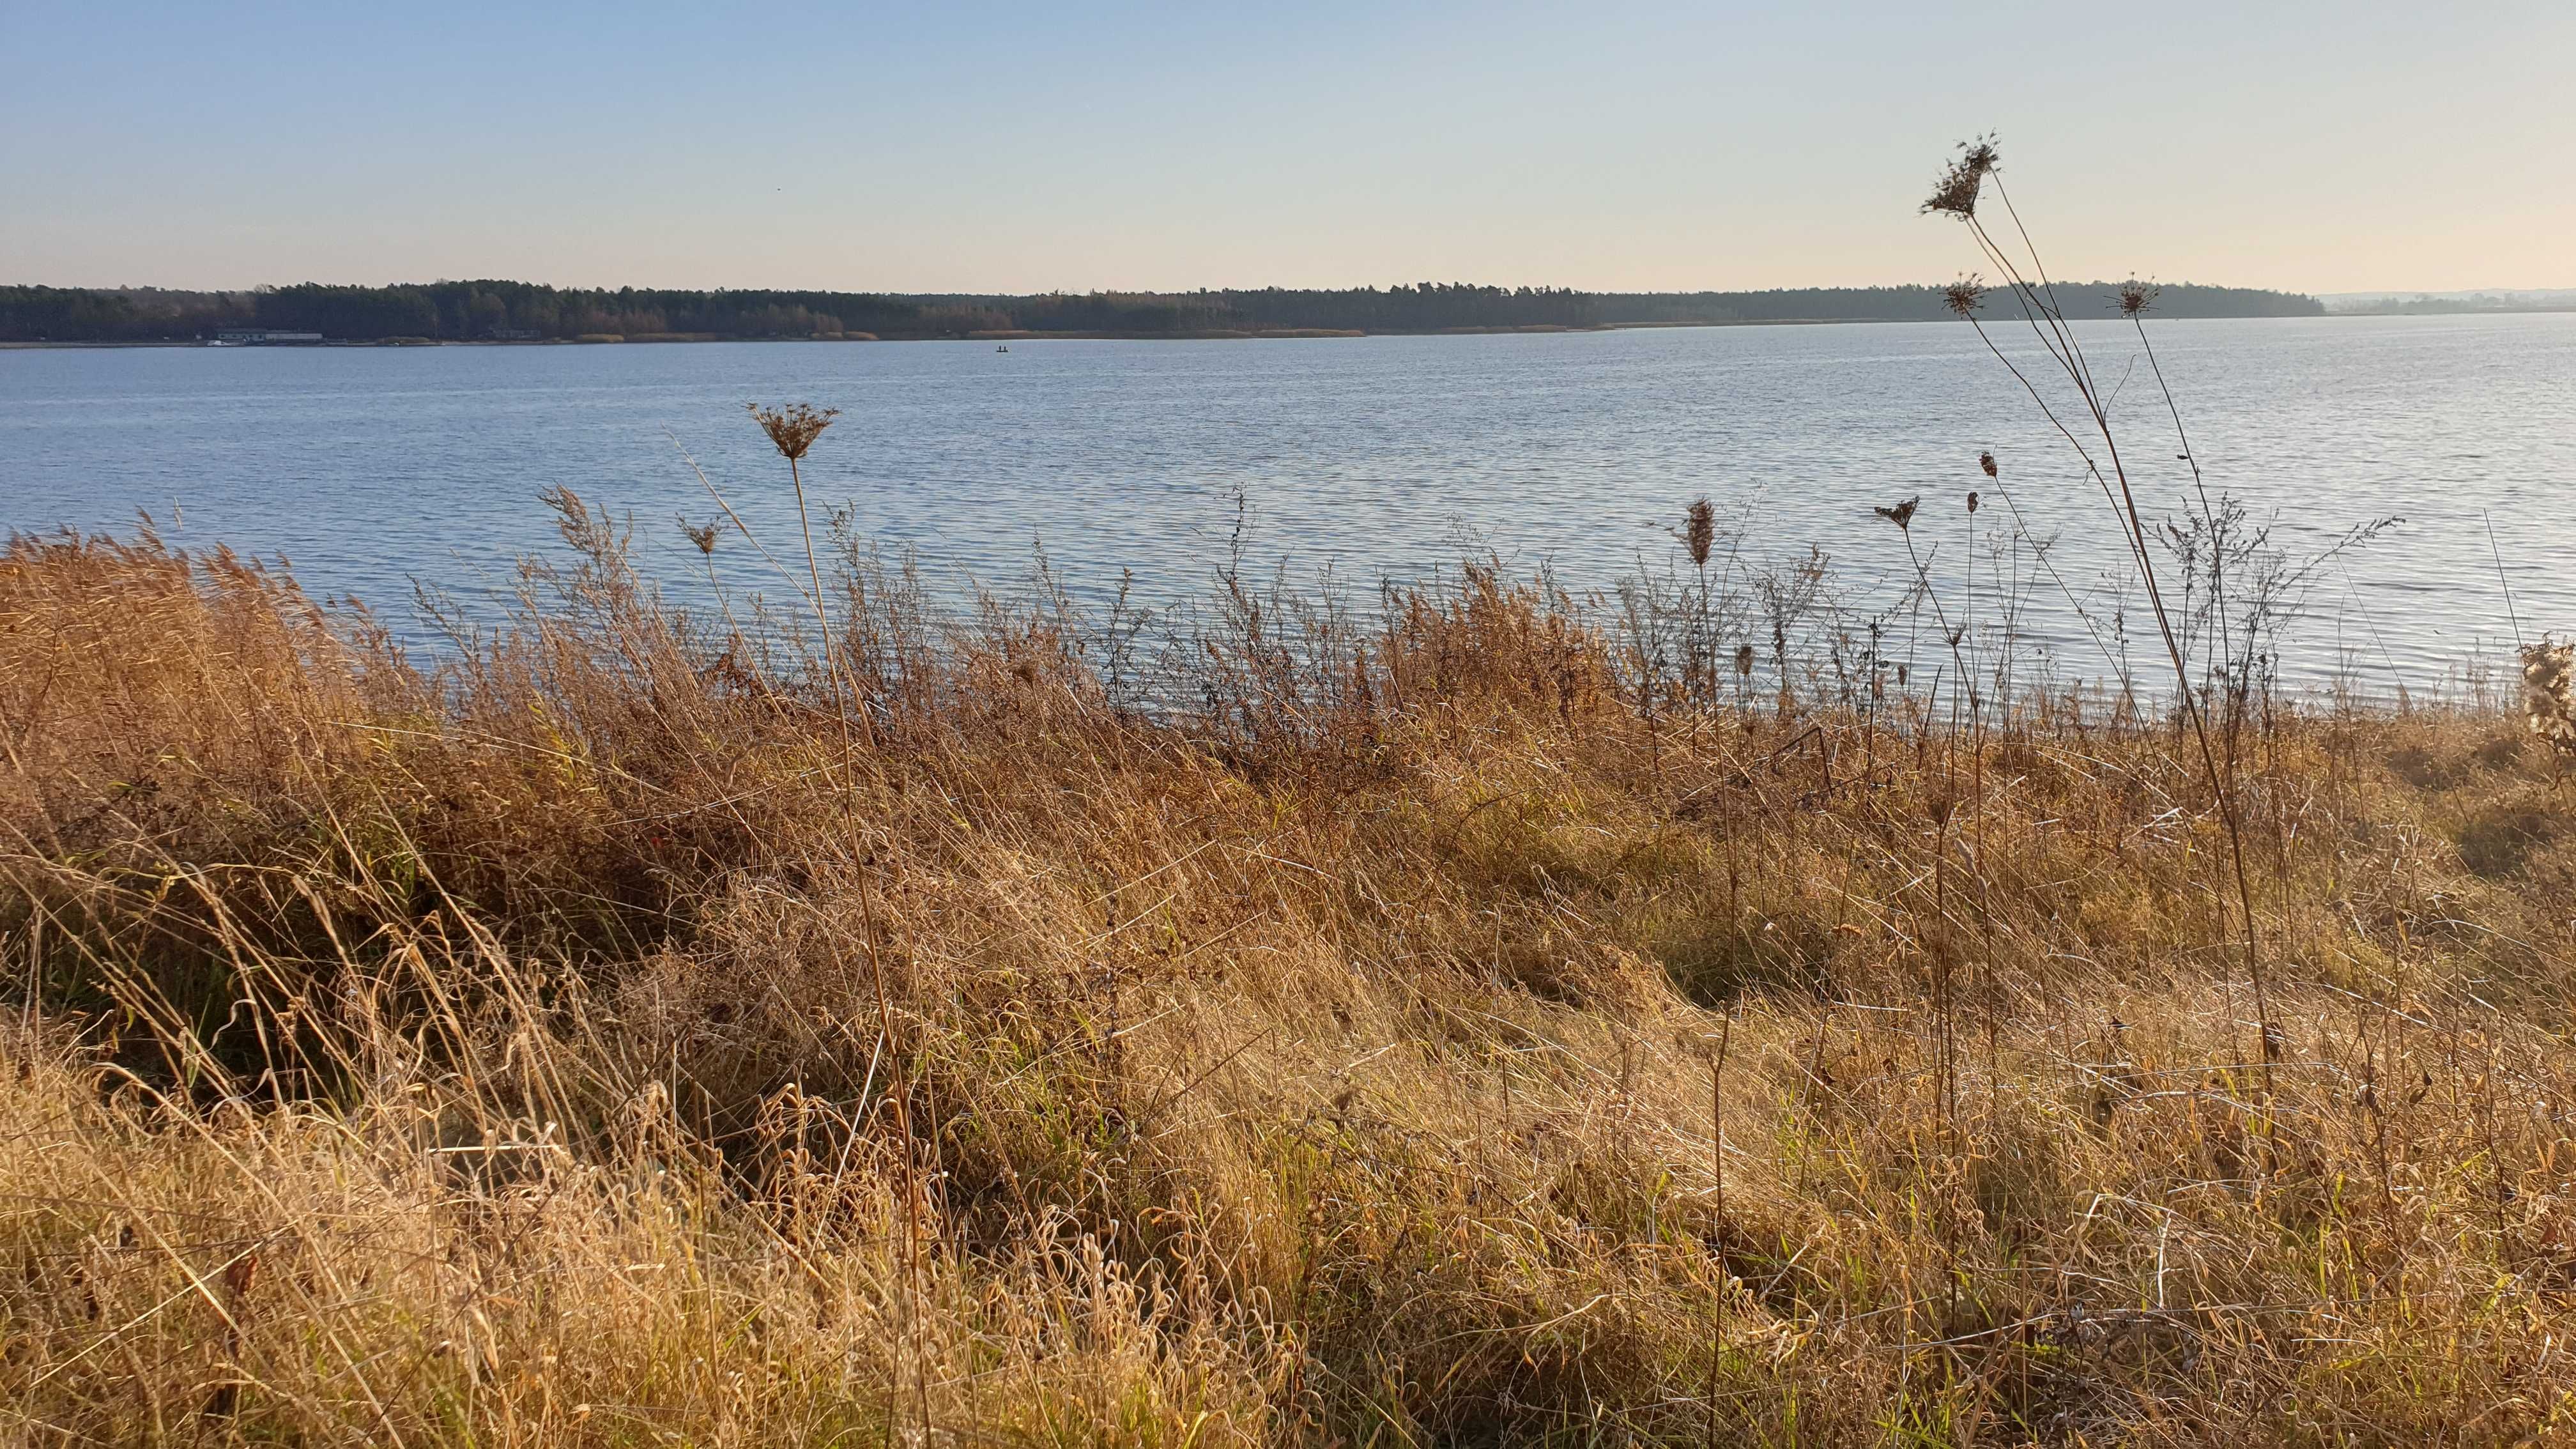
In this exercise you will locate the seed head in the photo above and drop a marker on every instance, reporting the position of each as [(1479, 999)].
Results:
[(1699, 531), (1965, 295), (792, 428), (701, 534), (1972, 501), (1955, 193), (1902, 515), (2137, 296), (2549, 693), (1744, 659), (1987, 462)]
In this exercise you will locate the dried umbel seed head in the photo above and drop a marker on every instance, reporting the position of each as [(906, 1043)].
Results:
[(2549, 693), (1955, 193), (1965, 295), (1986, 461), (792, 429), (1972, 502), (1902, 515), (701, 534), (1699, 531), (2136, 297), (1744, 659)]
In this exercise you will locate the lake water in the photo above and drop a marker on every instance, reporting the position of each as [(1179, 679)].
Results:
[(370, 468)]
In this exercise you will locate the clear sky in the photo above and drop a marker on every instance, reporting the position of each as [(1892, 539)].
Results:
[(1024, 147)]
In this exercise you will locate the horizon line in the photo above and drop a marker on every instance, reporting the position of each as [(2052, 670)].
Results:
[(1199, 290)]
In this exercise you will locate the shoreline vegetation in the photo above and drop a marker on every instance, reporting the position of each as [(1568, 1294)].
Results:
[(997, 335), (1496, 1017), (1708, 1011), (521, 312)]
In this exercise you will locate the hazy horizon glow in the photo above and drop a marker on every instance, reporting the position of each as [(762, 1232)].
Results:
[(984, 147)]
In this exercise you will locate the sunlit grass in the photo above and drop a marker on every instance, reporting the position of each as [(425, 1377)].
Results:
[(1314, 1047)]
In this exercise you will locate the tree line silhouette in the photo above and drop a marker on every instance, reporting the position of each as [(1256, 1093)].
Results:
[(526, 311)]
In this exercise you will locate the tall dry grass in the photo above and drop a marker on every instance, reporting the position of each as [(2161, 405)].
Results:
[(1317, 1046)]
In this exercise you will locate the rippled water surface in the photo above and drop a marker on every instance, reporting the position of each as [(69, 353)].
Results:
[(369, 468)]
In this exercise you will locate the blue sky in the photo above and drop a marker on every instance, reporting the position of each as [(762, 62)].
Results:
[(1010, 147)]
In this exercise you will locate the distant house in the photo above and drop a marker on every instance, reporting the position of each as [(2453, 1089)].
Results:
[(263, 337)]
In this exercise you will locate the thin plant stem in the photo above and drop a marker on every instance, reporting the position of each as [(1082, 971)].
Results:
[(2510, 611)]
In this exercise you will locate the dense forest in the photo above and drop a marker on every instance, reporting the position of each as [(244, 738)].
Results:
[(524, 311)]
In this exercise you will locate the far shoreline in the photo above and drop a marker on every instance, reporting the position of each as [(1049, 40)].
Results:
[(1295, 334)]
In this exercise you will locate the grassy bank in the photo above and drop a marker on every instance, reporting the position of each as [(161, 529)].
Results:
[(1470, 1024)]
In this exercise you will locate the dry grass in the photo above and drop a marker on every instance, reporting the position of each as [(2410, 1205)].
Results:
[(492, 1053)]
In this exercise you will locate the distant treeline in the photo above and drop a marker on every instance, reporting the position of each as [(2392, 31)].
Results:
[(2560, 301), (506, 311)]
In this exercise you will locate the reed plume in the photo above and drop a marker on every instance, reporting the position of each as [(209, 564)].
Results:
[(2549, 693), (1699, 531)]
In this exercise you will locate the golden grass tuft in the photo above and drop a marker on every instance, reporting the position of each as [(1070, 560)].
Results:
[(2549, 693)]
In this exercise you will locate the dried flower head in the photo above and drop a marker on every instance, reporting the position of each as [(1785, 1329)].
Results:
[(1972, 500), (1987, 462), (1699, 531), (2137, 296), (794, 427), (1965, 295), (2549, 693), (1744, 659), (1955, 193), (701, 534), (1902, 515)]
